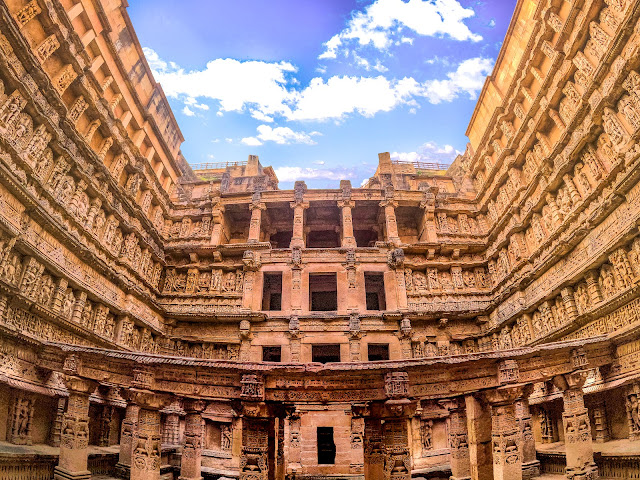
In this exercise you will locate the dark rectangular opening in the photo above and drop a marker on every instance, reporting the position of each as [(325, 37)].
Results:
[(281, 239), (378, 351), (272, 291), (374, 291), (272, 354), (365, 238), (326, 446), (323, 239), (325, 353), (323, 292)]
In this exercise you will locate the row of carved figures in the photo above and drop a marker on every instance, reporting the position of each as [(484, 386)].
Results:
[(419, 282), (196, 281), (38, 284), (57, 177), (597, 286), (585, 62)]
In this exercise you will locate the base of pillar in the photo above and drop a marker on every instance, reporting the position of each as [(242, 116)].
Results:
[(459, 478), (530, 469), (588, 472), (189, 478), (123, 471), (62, 474)]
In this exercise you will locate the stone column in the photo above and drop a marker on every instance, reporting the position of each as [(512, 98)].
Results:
[(348, 239), (145, 462), (459, 442), (479, 428), (577, 430), (390, 220), (530, 464), (58, 294), (127, 434), (171, 429), (600, 422), (190, 468), (78, 306), (507, 442), (593, 287), (573, 192), (217, 214), (56, 428), (74, 441), (297, 239), (429, 232), (256, 220), (569, 303)]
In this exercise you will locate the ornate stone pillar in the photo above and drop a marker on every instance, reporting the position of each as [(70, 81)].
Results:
[(78, 306), (348, 239), (479, 438), (190, 468), (171, 430), (256, 221), (74, 441), (127, 434), (530, 464), (354, 335), (459, 442), (391, 225), (294, 452), (217, 217), (56, 428), (569, 303), (593, 287), (600, 422), (507, 442), (575, 420), (573, 192), (58, 294), (429, 231), (145, 462), (505, 432)]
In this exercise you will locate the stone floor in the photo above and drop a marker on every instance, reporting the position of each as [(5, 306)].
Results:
[(613, 447)]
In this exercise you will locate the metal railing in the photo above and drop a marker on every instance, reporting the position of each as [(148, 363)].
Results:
[(217, 165), (422, 165)]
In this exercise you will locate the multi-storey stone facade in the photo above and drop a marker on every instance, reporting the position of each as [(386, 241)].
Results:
[(474, 322)]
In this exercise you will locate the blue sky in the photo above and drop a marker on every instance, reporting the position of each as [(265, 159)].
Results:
[(317, 88)]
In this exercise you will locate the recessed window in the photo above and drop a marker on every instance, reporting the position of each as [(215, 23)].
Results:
[(325, 353), (272, 354), (326, 446), (378, 351), (272, 291), (365, 238), (323, 239), (374, 291), (281, 239), (323, 292)]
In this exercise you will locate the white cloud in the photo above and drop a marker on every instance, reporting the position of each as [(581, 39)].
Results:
[(233, 83), (291, 174), (468, 78), (267, 91), (279, 135), (251, 141), (339, 96), (428, 152), (379, 23), (228, 140)]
